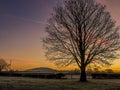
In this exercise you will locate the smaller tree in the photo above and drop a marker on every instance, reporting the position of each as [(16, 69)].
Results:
[(3, 65)]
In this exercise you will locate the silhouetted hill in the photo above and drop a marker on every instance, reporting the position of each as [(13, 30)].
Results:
[(41, 70)]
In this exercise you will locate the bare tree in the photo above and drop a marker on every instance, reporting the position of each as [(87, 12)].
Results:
[(4, 65), (81, 32)]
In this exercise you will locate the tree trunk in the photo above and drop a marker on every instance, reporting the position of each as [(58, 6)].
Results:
[(83, 75)]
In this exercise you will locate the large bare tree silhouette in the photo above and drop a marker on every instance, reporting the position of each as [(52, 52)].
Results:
[(82, 32)]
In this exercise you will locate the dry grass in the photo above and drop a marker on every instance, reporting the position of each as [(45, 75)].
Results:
[(20, 83)]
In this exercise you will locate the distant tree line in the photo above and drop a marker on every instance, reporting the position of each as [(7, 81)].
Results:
[(33, 75)]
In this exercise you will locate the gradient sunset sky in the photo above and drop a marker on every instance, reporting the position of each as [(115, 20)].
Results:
[(22, 24)]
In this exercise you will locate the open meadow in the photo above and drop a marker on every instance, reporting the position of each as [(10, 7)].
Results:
[(22, 83)]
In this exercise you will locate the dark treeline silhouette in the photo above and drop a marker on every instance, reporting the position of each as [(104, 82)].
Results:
[(34, 75), (105, 75)]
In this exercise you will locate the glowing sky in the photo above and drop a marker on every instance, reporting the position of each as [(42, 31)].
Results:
[(22, 24)]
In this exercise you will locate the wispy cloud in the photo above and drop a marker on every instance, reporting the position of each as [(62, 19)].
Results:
[(24, 19)]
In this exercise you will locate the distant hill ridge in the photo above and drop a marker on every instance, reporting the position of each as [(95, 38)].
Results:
[(42, 70)]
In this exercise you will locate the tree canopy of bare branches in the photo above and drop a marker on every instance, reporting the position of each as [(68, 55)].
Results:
[(4, 65), (82, 32)]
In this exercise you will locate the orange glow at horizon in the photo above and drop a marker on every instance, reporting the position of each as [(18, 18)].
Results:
[(23, 64)]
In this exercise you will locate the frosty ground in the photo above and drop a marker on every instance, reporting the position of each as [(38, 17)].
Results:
[(23, 83)]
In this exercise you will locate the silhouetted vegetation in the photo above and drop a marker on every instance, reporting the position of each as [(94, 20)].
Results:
[(33, 75), (4, 66), (81, 32), (105, 76)]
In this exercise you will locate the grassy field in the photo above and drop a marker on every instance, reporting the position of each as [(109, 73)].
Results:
[(20, 83)]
